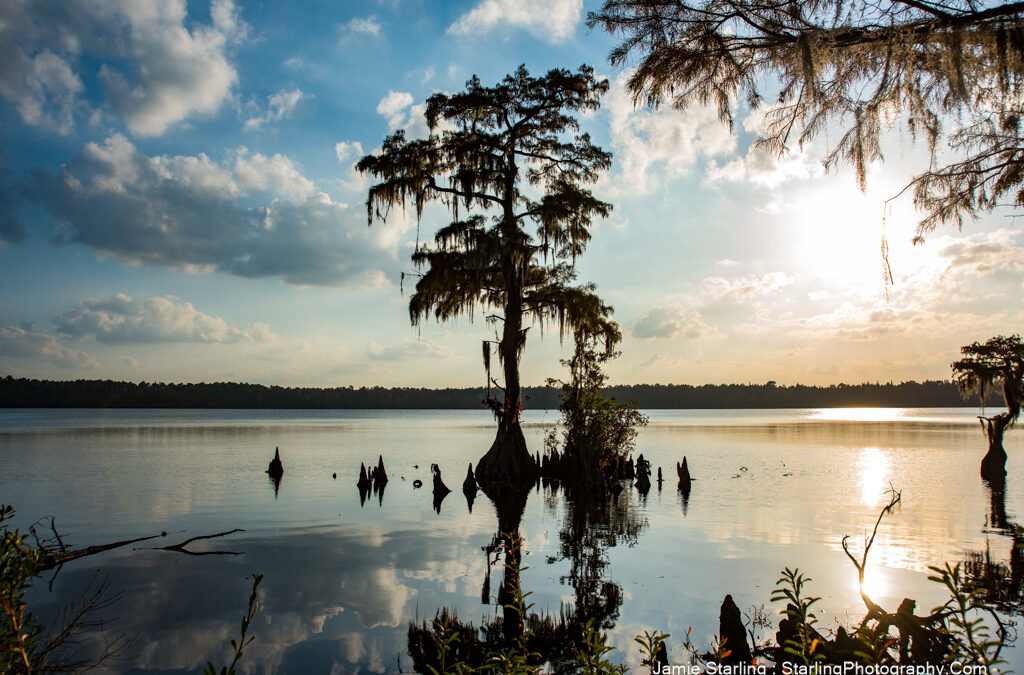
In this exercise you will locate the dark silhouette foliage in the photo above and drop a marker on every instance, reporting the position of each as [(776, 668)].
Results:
[(861, 65), (26, 393), (509, 164), (998, 363)]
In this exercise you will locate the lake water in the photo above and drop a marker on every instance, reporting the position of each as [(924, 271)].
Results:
[(343, 580)]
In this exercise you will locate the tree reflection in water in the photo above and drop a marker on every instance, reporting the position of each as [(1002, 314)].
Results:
[(590, 527), (1001, 582)]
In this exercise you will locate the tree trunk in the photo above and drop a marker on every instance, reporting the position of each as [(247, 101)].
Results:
[(508, 462), (993, 465)]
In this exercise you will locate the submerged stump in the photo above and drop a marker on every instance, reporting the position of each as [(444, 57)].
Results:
[(683, 471), (276, 469), (439, 486), (734, 633), (993, 464), (380, 476)]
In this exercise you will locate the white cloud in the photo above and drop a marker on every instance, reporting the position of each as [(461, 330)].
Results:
[(349, 153), (983, 253), (359, 26), (276, 175), (159, 65), (184, 212), (650, 143), (118, 319), (551, 20), (393, 107), (672, 321), (227, 20), (279, 106), (21, 343), (346, 150), (739, 289), (51, 92), (400, 112), (411, 348), (178, 71)]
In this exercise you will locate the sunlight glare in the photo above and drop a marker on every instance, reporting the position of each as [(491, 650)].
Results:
[(874, 582), (838, 237), (873, 467), (860, 414), (837, 231)]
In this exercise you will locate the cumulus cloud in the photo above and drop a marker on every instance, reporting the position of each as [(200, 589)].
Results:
[(551, 20), (662, 142), (348, 150), (279, 106), (48, 95), (276, 175), (360, 26), (409, 349), (349, 153), (191, 213), (118, 319), (672, 321), (983, 253), (739, 289), (760, 167), (22, 343), (159, 66), (393, 107), (398, 109)]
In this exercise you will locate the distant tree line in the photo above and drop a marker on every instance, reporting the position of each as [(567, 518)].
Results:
[(26, 393)]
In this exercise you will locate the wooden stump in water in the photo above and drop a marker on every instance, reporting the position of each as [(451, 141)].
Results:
[(276, 469), (734, 633), (684, 477)]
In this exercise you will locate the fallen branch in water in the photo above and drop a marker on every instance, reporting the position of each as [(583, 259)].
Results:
[(180, 548), (57, 559), (51, 560)]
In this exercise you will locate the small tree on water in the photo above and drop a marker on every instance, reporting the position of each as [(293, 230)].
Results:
[(997, 362), (599, 432), (506, 253)]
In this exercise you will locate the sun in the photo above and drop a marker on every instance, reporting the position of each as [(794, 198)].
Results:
[(837, 234)]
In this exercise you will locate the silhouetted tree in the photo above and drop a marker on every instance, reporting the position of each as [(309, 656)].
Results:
[(928, 62), (999, 361), (511, 156)]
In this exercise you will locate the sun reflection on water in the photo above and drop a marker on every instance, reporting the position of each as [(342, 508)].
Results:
[(875, 582), (860, 414), (873, 467)]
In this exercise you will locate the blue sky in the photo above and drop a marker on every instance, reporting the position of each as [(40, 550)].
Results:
[(178, 203)]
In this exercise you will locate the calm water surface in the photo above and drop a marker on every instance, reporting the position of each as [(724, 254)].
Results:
[(343, 579)]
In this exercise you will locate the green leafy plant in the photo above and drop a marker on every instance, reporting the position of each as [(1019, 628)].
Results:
[(445, 637), (592, 653), (805, 645), (965, 612), (244, 639), (651, 644), (19, 564)]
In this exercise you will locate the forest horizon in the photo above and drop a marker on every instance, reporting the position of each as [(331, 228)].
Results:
[(28, 393)]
